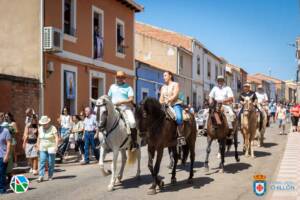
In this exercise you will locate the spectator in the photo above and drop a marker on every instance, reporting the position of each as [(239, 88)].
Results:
[(29, 114), (30, 144), (281, 117), (47, 143), (5, 147), (65, 121), (272, 108), (77, 130), (13, 129), (295, 113), (90, 125)]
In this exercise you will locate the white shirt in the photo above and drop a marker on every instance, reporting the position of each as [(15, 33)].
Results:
[(90, 123), (221, 93), (261, 97), (65, 121)]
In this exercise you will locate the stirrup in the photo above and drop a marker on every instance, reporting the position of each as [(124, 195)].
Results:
[(181, 141)]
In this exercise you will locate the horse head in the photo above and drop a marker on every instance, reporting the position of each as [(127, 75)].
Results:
[(248, 105), (104, 108)]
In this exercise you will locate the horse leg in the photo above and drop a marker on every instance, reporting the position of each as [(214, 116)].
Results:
[(208, 149), (123, 162), (247, 144), (192, 158), (138, 173), (235, 138), (159, 156), (101, 162), (222, 146), (170, 166), (251, 146), (175, 156), (113, 169), (151, 152)]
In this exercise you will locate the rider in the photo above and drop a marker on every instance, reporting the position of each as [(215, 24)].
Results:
[(262, 99), (122, 97), (170, 96), (247, 92), (223, 94)]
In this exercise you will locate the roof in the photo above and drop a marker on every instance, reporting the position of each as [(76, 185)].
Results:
[(132, 5), (253, 79), (164, 35), (263, 76), (235, 67)]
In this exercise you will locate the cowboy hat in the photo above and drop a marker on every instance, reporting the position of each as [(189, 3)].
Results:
[(220, 78), (44, 120), (120, 74)]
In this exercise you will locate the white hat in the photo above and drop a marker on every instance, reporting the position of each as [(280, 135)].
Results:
[(220, 78), (44, 120)]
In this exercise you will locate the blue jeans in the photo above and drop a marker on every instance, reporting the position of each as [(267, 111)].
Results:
[(89, 141), (3, 167), (178, 110), (64, 132), (44, 156)]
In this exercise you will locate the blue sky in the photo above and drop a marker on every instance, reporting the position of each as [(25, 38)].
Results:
[(253, 34)]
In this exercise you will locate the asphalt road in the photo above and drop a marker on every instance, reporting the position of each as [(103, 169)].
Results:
[(73, 181)]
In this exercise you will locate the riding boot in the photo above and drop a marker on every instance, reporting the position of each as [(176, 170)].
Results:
[(180, 131), (134, 144)]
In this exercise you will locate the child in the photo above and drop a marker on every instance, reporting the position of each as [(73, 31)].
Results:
[(281, 117)]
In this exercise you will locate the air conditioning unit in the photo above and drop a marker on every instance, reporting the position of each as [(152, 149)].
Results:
[(52, 40)]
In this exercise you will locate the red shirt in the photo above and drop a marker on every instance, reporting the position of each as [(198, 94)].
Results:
[(295, 110)]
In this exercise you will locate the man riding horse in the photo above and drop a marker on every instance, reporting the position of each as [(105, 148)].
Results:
[(224, 95), (122, 96), (169, 96), (247, 92)]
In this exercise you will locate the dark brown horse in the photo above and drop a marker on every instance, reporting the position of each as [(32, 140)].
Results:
[(222, 133), (159, 132)]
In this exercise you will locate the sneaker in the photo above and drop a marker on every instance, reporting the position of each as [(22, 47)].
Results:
[(50, 178), (35, 172), (83, 162), (134, 147), (31, 170), (40, 179)]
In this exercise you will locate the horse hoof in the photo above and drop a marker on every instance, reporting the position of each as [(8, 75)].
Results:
[(161, 185), (173, 181), (110, 188), (237, 159), (151, 192), (190, 181)]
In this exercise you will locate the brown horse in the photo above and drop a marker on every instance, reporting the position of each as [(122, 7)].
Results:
[(222, 133), (160, 131), (248, 125)]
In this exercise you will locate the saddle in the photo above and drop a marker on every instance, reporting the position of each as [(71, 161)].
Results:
[(170, 113)]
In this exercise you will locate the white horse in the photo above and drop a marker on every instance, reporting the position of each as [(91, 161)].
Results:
[(115, 137)]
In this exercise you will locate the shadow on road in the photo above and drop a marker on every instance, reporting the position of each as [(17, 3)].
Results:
[(259, 154), (233, 168), (180, 185), (186, 166), (269, 145), (59, 170), (136, 182), (232, 154), (64, 177)]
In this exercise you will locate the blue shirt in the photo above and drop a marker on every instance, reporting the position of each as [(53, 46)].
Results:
[(4, 136), (272, 108), (120, 92)]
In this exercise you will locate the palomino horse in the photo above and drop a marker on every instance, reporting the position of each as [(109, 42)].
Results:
[(222, 133), (115, 138), (160, 132), (248, 125), (260, 133)]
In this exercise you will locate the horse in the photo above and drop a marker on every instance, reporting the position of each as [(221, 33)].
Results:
[(222, 133), (261, 126), (116, 138), (249, 125), (160, 131)]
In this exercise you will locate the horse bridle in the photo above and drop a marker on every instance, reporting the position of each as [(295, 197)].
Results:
[(103, 126)]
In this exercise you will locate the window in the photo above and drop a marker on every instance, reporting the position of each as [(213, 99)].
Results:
[(69, 17), (98, 48), (145, 93), (217, 71), (97, 84), (194, 99), (208, 69), (198, 66), (181, 61), (120, 40)]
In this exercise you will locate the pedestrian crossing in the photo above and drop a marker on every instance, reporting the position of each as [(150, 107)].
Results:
[(289, 170)]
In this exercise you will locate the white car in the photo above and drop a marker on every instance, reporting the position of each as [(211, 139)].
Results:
[(201, 118)]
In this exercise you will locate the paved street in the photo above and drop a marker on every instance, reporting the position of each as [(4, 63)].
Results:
[(85, 182)]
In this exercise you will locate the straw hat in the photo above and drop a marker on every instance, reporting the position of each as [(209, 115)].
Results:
[(44, 120), (120, 74), (220, 78), (259, 86)]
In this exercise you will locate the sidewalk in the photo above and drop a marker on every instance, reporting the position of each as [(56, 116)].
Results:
[(289, 171)]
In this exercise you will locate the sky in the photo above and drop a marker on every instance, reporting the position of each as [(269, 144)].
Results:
[(253, 34)]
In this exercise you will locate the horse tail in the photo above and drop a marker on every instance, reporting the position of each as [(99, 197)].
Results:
[(132, 156)]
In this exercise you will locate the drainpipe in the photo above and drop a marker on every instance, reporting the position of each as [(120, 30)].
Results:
[(137, 67), (41, 97)]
